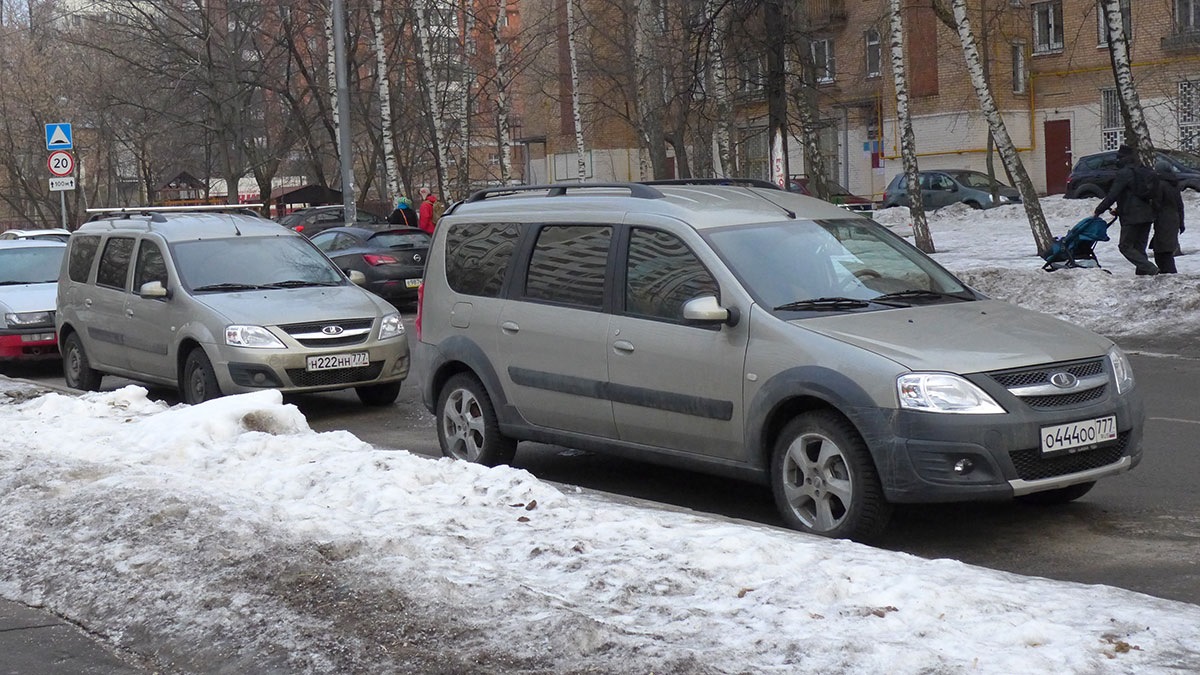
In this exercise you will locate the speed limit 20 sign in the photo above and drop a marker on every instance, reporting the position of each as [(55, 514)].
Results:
[(61, 162)]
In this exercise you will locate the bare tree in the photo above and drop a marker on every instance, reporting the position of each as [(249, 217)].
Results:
[(385, 100), (908, 142), (1131, 105), (576, 116)]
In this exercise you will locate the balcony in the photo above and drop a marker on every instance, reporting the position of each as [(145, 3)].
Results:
[(826, 14), (1187, 39)]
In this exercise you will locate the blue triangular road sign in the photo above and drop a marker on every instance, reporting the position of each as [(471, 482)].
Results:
[(58, 137)]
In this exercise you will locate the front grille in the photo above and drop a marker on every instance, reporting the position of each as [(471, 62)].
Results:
[(353, 332), (324, 378), (1064, 400), (1031, 465), (1040, 375)]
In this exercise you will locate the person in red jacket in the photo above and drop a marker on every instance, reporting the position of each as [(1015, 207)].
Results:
[(425, 219)]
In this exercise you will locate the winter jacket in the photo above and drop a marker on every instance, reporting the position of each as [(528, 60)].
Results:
[(1132, 210), (406, 217), (1169, 221), (426, 220)]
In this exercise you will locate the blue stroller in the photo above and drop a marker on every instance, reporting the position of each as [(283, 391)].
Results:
[(1077, 248)]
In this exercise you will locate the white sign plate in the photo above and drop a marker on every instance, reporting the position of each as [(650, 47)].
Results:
[(60, 184)]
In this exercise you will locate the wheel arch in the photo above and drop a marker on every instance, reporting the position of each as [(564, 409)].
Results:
[(456, 355), (186, 345)]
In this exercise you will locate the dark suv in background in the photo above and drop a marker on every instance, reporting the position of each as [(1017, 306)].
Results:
[(1093, 174)]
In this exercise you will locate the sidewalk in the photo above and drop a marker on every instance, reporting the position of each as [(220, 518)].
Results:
[(34, 642)]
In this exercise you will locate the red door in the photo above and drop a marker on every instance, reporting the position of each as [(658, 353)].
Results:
[(1058, 155)]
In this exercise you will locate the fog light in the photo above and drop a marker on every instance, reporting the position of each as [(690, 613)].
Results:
[(259, 379), (963, 466)]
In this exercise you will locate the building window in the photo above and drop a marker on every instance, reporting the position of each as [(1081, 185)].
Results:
[(1102, 22), (1047, 27), (823, 60), (1189, 115), (874, 53), (1112, 130), (751, 74), (1187, 15), (493, 158), (1018, 68)]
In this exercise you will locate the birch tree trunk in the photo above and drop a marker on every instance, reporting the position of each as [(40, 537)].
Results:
[(1126, 88), (810, 123), (385, 103), (576, 116), (1004, 145), (427, 79), (908, 142), (648, 36), (502, 79), (466, 81), (722, 160), (331, 68)]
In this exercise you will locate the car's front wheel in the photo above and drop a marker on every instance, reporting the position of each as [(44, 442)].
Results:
[(378, 395), (824, 480), (467, 425), (77, 369), (199, 379)]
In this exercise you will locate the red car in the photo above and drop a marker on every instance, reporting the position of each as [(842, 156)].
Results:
[(837, 195)]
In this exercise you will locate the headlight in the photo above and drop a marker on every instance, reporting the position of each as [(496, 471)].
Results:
[(29, 319), (390, 327), (1004, 200), (1122, 371), (252, 336), (945, 393)]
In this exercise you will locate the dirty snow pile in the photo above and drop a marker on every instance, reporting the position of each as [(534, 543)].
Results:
[(231, 537)]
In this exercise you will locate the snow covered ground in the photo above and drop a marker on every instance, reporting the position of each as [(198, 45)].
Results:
[(230, 537)]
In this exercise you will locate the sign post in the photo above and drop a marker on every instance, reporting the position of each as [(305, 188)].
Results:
[(62, 163)]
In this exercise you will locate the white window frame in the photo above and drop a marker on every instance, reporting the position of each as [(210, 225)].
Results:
[(1051, 43), (1112, 126), (1102, 24), (1188, 115), (1187, 16), (1020, 74), (874, 48), (826, 66)]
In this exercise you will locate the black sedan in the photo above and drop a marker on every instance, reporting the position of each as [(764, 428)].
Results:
[(391, 258)]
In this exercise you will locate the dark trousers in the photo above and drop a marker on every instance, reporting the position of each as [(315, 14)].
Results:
[(1132, 245), (1165, 241)]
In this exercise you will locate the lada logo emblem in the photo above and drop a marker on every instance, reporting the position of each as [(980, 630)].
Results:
[(1064, 380), (332, 330)]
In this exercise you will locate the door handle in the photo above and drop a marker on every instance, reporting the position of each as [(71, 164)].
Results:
[(623, 346), (510, 327), (87, 302), (129, 313)]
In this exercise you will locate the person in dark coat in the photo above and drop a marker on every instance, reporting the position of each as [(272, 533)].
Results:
[(404, 214), (1136, 214), (1169, 222)]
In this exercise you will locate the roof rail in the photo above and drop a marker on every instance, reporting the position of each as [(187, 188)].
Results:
[(743, 182), (638, 190), (155, 211)]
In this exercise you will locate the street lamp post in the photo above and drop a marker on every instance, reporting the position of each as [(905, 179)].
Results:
[(338, 9)]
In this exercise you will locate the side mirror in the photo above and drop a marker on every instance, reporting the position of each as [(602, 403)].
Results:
[(357, 278), (153, 289), (706, 309)]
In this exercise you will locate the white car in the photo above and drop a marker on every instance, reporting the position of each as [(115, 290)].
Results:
[(28, 286), (52, 234)]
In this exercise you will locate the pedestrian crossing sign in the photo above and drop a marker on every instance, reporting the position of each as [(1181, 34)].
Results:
[(58, 136)]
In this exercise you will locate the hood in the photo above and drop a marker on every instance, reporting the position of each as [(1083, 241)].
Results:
[(293, 305), (28, 298), (962, 337)]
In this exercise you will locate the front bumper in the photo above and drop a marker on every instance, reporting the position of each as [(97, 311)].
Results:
[(251, 370)]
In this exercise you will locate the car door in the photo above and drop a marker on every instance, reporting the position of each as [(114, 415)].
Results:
[(152, 323), (552, 332), (674, 385), (103, 306), (937, 190)]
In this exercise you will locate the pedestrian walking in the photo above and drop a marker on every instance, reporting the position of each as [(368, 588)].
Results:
[(1132, 192), (403, 214), (1168, 222), (426, 219)]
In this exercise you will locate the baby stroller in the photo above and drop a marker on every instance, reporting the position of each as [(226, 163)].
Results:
[(1077, 248)]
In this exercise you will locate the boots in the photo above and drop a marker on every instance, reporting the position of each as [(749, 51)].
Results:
[(1165, 262)]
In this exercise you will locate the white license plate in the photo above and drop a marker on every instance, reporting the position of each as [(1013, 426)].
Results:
[(1083, 434), (335, 361), (412, 283)]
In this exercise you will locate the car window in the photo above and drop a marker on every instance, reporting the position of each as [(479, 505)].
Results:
[(477, 256), (661, 274), (32, 265), (327, 217), (342, 241), (114, 262), (399, 240), (568, 265), (150, 265), (254, 261), (926, 181), (324, 240), (1186, 159), (976, 180), (940, 181), (83, 252)]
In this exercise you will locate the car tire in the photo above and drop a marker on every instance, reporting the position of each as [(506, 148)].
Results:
[(378, 395), (199, 379), (974, 205), (825, 481), (467, 425), (77, 369), (1059, 496)]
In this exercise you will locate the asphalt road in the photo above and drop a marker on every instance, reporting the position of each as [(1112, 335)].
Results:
[(1139, 530)]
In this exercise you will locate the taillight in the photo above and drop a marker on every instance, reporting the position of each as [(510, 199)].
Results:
[(298, 228), (420, 301), (375, 260)]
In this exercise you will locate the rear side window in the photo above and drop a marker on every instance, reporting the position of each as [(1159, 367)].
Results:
[(114, 262), (83, 252), (568, 265), (477, 256)]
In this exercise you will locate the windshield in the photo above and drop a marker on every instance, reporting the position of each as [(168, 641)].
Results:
[(787, 263), (30, 265), (1187, 159), (241, 263), (975, 179)]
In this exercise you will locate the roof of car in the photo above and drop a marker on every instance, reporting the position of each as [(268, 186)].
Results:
[(31, 243), (37, 232), (185, 225), (703, 205)]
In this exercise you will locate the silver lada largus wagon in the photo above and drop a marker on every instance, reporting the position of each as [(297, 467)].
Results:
[(733, 328)]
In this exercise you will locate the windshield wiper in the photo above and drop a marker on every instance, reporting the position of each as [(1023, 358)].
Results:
[(229, 287), (833, 303), (918, 294), (298, 283)]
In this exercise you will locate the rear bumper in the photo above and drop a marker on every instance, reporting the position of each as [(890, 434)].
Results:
[(28, 345)]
